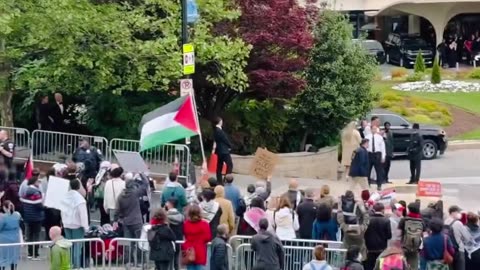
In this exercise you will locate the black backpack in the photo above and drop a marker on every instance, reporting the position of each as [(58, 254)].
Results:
[(241, 208), (160, 249), (448, 231), (349, 209)]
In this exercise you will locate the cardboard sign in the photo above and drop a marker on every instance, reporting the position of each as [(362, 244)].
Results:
[(56, 191), (263, 164), (429, 189)]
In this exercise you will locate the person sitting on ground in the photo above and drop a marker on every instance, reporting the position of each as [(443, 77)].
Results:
[(325, 196), (249, 223), (325, 226), (319, 262), (392, 258), (354, 258), (60, 251), (175, 190), (354, 233), (307, 212), (228, 215), (269, 252), (435, 245), (219, 250), (284, 219), (211, 210)]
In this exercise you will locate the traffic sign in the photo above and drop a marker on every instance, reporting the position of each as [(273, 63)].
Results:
[(188, 59), (186, 87)]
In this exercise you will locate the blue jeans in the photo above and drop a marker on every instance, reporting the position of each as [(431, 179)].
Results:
[(195, 267), (73, 234)]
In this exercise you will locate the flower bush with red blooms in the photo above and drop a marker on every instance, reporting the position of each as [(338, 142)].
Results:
[(281, 36)]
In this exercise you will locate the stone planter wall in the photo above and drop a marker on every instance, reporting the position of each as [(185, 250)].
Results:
[(320, 165)]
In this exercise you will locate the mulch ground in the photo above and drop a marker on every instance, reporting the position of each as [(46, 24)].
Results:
[(463, 122)]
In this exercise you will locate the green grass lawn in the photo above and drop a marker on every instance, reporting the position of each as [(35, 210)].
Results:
[(472, 135), (467, 101)]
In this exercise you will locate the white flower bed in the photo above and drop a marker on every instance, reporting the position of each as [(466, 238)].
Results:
[(444, 86)]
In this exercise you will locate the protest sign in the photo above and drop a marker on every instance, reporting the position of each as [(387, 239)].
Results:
[(131, 161), (429, 189), (56, 190), (263, 163)]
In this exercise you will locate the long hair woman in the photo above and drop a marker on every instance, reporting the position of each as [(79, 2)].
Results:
[(351, 139), (284, 219), (197, 235)]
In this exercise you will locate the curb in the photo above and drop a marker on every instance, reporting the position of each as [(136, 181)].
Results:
[(460, 145)]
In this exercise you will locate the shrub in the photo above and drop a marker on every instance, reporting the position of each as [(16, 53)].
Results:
[(474, 74), (391, 96), (415, 77), (419, 63), (436, 76), (398, 72), (385, 104), (429, 106), (420, 118)]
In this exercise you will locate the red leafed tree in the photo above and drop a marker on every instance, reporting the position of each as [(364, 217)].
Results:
[(281, 36)]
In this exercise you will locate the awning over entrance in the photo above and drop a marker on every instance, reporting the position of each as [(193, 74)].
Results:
[(438, 12)]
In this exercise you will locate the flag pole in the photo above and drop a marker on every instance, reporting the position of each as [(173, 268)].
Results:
[(192, 94)]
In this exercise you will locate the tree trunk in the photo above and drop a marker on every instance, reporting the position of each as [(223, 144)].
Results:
[(304, 140), (6, 107), (6, 93)]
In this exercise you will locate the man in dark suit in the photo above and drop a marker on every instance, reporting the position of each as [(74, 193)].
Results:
[(415, 154), (58, 113), (222, 149)]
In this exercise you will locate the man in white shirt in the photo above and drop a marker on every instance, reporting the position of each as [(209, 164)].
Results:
[(377, 154), (374, 122)]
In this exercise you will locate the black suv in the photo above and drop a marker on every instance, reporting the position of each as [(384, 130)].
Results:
[(435, 138), (403, 49)]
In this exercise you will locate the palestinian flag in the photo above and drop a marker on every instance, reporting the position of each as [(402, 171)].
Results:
[(174, 121)]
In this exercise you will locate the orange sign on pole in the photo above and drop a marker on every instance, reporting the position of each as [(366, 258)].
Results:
[(429, 189)]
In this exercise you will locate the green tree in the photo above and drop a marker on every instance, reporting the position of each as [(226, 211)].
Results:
[(338, 82), (436, 75), (112, 47), (419, 63)]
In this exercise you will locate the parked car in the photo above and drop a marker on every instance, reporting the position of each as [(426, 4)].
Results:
[(373, 48), (403, 49), (435, 138)]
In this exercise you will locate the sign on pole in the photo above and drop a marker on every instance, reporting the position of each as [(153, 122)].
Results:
[(188, 59), (186, 87)]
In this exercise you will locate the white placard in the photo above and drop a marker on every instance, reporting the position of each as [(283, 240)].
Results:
[(56, 191)]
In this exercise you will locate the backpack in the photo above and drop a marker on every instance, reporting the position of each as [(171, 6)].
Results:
[(241, 208), (349, 209), (412, 235), (161, 250), (392, 262), (448, 231)]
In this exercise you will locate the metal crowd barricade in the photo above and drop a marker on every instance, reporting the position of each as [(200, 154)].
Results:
[(50, 146), (161, 160), (243, 239), (84, 253), (132, 252), (295, 257), (21, 138)]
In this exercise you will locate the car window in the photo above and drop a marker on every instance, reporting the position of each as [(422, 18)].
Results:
[(372, 45), (394, 120), (416, 42)]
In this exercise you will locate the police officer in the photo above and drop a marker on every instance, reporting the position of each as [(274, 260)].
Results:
[(7, 148), (91, 158), (415, 154)]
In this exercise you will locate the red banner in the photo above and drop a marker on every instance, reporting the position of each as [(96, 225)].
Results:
[(429, 189)]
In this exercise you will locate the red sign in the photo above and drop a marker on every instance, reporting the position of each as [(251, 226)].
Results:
[(429, 189)]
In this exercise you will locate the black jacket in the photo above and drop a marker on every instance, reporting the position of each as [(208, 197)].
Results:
[(378, 233), (219, 254), (222, 142), (161, 239), (57, 116), (307, 212), (269, 253), (415, 147), (360, 164), (128, 206)]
